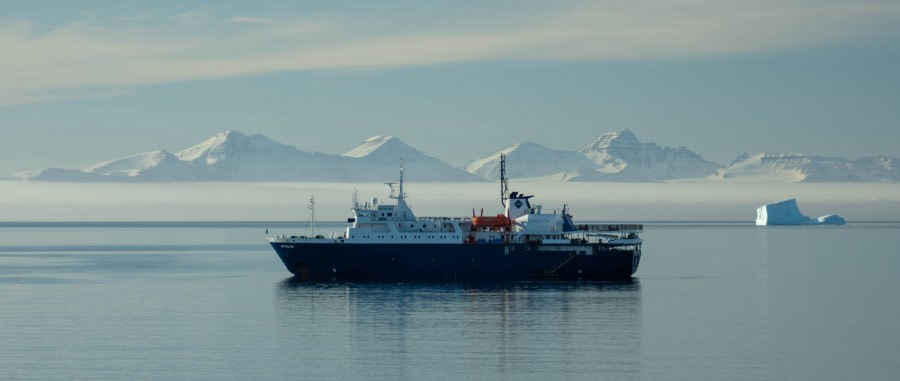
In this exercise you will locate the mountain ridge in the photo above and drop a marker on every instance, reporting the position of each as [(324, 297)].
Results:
[(798, 167), (615, 156), (235, 156)]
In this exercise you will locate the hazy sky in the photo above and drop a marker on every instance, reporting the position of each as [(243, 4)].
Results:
[(87, 81)]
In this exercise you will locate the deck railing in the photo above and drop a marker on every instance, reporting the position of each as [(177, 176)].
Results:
[(610, 227)]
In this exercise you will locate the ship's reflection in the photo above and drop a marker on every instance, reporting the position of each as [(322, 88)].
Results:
[(513, 328)]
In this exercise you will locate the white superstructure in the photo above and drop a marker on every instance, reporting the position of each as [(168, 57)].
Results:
[(522, 222)]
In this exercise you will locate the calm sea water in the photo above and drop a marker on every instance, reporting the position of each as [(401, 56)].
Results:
[(211, 301)]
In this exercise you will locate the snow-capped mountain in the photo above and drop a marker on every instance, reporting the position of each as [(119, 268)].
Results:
[(798, 167), (234, 156), (614, 156), (61, 174), (882, 168), (529, 159), (619, 155), (157, 165), (381, 155), (383, 147)]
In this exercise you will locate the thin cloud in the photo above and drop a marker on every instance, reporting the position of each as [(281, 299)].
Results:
[(251, 20), (48, 66)]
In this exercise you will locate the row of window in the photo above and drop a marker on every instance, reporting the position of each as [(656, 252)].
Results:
[(402, 237)]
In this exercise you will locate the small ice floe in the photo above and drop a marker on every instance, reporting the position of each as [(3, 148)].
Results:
[(787, 213)]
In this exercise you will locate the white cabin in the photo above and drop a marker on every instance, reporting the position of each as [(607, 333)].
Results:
[(374, 223)]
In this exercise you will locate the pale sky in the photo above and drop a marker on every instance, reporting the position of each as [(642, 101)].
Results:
[(89, 81)]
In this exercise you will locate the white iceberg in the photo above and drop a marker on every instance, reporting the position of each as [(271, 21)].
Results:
[(787, 213)]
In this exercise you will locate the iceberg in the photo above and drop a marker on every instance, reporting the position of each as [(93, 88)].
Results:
[(831, 219), (788, 213)]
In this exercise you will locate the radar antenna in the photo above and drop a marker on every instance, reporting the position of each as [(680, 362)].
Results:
[(400, 195), (504, 184)]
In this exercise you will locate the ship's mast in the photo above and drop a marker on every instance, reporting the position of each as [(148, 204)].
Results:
[(402, 195), (402, 210), (312, 227), (504, 185)]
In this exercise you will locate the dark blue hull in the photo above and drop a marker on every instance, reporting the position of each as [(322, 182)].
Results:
[(462, 261)]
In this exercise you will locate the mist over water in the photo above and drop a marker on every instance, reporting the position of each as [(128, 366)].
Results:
[(48, 201), (211, 300)]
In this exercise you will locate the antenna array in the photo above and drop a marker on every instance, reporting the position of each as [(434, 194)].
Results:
[(504, 184)]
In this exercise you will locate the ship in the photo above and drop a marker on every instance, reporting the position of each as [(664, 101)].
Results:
[(387, 241)]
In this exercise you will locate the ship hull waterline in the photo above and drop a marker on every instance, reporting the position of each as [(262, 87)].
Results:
[(456, 261)]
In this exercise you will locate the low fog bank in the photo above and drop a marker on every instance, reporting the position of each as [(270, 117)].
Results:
[(48, 201)]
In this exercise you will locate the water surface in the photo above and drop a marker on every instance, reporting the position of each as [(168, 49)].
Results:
[(212, 301)]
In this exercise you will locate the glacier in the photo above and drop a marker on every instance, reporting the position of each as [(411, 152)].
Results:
[(788, 213)]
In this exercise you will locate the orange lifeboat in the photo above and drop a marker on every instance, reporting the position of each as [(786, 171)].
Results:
[(500, 221)]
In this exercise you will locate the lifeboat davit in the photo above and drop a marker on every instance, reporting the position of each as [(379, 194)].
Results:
[(499, 221)]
